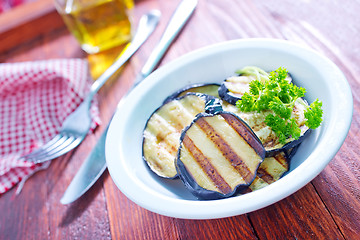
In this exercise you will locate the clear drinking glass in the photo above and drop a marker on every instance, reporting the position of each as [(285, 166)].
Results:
[(98, 25)]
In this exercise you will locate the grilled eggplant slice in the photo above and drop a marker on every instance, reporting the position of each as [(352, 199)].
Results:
[(163, 129), (291, 151), (207, 88), (233, 88), (218, 155), (268, 138), (269, 171)]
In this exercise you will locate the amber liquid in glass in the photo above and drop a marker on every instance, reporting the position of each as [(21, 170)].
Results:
[(99, 25)]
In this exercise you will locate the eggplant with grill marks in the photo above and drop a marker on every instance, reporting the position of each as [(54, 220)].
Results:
[(269, 171), (219, 155), (268, 138), (207, 88), (233, 88), (163, 129)]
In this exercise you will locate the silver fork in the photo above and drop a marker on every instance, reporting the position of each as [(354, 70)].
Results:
[(76, 126)]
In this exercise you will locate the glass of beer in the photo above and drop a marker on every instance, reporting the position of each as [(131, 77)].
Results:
[(98, 25)]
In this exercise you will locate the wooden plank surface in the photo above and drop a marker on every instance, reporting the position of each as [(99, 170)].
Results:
[(27, 22), (326, 208)]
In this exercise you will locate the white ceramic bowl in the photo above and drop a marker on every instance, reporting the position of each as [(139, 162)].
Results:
[(212, 64)]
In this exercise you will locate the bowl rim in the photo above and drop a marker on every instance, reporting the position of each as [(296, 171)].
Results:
[(159, 203)]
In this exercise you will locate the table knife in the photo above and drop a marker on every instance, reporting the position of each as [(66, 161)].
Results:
[(89, 172), (94, 166), (176, 23)]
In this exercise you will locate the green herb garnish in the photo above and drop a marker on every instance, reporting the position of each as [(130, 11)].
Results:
[(278, 96)]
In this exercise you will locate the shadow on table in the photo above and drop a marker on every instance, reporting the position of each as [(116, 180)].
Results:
[(77, 208)]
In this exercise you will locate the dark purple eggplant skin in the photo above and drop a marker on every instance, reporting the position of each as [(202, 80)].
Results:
[(290, 77), (213, 105), (289, 145), (290, 154), (198, 191), (225, 95), (207, 99), (187, 88), (291, 151)]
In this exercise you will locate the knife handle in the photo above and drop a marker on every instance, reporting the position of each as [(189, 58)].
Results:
[(177, 21)]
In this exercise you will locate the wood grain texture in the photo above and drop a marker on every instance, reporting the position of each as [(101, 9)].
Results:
[(338, 185), (326, 208), (26, 22), (308, 218), (237, 228)]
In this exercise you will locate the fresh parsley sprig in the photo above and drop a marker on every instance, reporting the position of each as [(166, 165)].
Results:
[(278, 96), (314, 114)]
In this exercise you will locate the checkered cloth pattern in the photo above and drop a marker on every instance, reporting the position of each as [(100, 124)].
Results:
[(35, 98)]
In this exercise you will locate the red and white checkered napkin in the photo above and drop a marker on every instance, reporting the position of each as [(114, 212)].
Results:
[(35, 98)]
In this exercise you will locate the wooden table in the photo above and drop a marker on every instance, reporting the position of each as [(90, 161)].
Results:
[(326, 208)]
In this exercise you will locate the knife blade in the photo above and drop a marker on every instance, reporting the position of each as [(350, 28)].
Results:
[(89, 172), (94, 166)]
